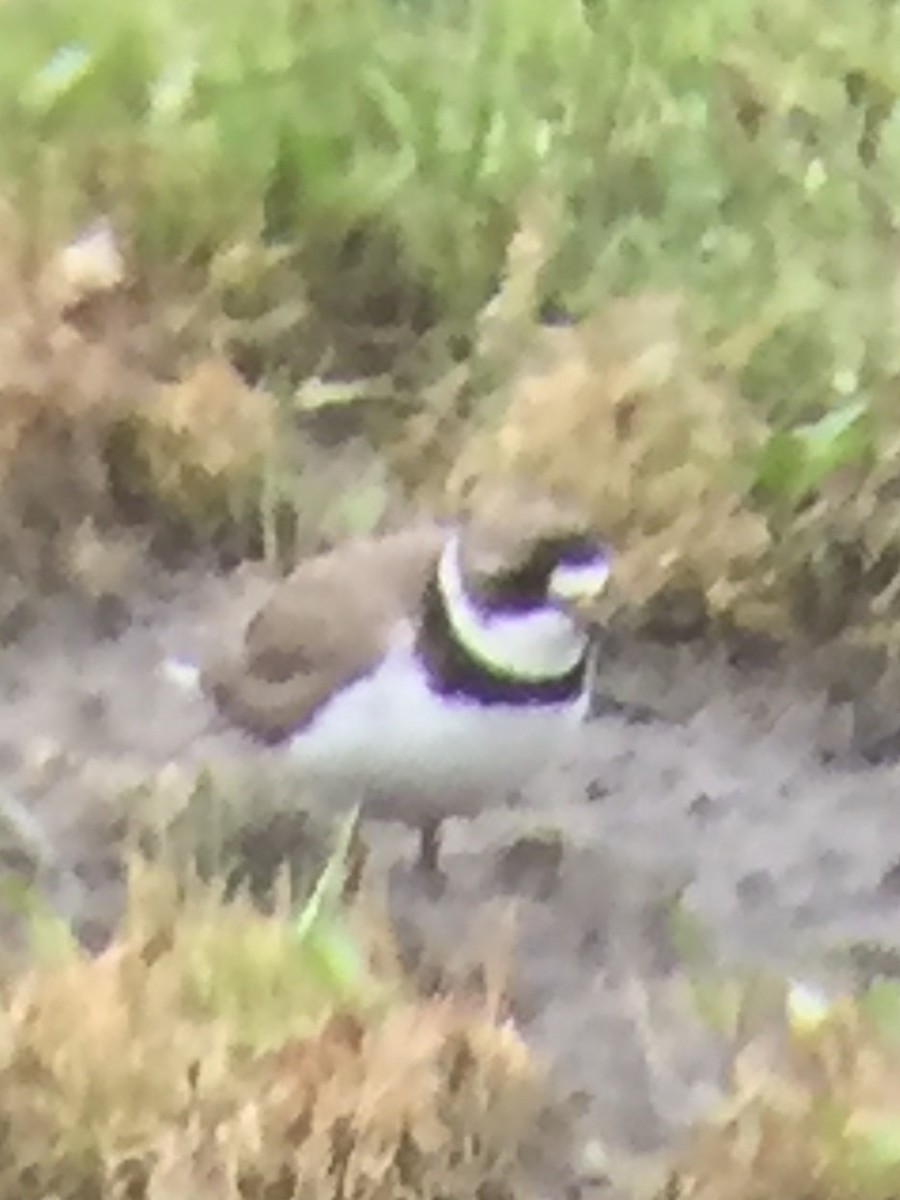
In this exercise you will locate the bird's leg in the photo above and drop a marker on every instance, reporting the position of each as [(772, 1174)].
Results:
[(430, 847), (355, 866), (433, 879)]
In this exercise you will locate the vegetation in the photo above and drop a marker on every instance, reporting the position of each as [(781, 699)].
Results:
[(325, 197), (646, 252), (220, 1052), (813, 1105)]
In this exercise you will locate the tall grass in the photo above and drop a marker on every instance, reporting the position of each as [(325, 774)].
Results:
[(378, 151), (716, 146)]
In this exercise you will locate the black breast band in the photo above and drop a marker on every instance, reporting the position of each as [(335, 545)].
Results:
[(454, 671)]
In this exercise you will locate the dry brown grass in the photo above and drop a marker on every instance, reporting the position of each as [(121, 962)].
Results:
[(111, 389), (203, 445), (64, 381), (617, 413), (103, 392), (815, 1115), (204, 1055)]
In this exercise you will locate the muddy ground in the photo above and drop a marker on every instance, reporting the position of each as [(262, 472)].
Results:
[(760, 791)]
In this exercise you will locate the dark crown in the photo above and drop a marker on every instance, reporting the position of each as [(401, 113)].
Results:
[(511, 548)]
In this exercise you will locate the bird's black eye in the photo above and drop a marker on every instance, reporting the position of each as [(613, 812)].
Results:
[(524, 584)]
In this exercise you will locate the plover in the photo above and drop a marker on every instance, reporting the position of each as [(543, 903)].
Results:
[(426, 673)]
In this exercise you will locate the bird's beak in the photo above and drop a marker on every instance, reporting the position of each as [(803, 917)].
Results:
[(579, 586)]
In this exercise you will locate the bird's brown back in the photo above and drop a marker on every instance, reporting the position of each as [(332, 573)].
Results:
[(325, 625)]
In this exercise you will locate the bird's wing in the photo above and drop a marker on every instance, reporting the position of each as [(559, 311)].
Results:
[(326, 625)]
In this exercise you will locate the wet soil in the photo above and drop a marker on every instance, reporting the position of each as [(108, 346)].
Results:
[(757, 789)]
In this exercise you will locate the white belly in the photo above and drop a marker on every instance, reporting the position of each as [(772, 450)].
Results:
[(408, 753)]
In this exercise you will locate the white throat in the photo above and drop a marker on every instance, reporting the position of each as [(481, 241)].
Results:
[(531, 646)]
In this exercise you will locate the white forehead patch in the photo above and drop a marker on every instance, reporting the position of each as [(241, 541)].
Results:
[(580, 581)]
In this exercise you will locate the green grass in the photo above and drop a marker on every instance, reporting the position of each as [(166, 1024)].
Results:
[(745, 154), (419, 126)]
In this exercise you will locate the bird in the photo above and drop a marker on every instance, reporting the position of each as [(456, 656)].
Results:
[(426, 672)]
